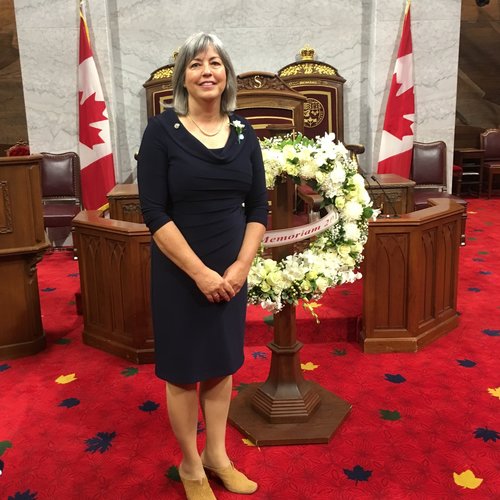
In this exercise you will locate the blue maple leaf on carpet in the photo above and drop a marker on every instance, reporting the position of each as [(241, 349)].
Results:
[(69, 403), (199, 427), (467, 363), (4, 367), (149, 406), (259, 355), (48, 289), (101, 442), (358, 473), (485, 273), (173, 473), (486, 434), (26, 495), (73, 275), (473, 289), (492, 333), (395, 379), (478, 259), (477, 230)]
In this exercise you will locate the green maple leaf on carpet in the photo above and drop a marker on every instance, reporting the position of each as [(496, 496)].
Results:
[(339, 352), (62, 341), (269, 320), (173, 473), (130, 371), (483, 253), (3, 446), (390, 415), (240, 387)]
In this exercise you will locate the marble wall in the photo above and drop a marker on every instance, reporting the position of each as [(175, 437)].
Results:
[(132, 38)]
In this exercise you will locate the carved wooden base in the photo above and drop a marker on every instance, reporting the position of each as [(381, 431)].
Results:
[(407, 344), (319, 428), (133, 354)]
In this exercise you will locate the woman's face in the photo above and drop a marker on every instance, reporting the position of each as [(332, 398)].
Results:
[(205, 76)]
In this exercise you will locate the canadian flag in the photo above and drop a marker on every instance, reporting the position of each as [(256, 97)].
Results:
[(96, 156), (397, 136)]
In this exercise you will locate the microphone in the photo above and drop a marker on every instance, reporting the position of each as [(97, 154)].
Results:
[(386, 196)]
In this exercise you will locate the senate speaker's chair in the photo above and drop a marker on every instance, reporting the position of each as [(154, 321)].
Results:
[(428, 170)]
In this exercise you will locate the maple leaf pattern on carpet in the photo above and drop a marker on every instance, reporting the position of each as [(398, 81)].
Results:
[(423, 426)]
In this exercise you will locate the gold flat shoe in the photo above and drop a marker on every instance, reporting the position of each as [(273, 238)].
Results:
[(233, 480), (197, 489)]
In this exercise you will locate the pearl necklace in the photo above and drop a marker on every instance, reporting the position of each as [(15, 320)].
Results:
[(206, 133)]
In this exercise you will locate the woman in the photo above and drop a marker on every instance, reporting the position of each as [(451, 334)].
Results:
[(203, 196)]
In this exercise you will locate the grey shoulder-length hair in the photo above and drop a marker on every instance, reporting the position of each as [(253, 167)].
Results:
[(195, 44)]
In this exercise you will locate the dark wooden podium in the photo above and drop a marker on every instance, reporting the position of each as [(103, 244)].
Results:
[(22, 244), (410, 276)]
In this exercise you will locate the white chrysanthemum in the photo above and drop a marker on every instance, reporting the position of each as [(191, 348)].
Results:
[(353, 210), (351, 231)]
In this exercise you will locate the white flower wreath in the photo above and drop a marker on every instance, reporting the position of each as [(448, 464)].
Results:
[(334, 255)]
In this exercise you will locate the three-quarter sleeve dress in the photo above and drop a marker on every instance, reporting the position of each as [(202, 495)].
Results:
[(211, 195)]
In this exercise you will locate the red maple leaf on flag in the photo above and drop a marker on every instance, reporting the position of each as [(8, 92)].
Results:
[(91, 111), (395, 122)]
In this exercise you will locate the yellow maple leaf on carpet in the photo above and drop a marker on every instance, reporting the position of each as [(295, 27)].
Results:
[(495, 392), (248, 442), (66, 379), (467, 479), (310, 306), (309, 366)]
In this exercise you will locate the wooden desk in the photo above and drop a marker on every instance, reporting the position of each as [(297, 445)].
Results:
[(472, 162), (124, 203), (397, 189)]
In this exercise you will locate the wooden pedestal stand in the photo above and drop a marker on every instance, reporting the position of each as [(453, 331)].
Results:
[(286, 409)]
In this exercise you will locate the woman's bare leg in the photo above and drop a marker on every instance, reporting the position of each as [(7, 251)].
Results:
[(215, 397), (182, 405)]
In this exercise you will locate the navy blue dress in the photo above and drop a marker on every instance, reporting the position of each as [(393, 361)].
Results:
[(210, 194)]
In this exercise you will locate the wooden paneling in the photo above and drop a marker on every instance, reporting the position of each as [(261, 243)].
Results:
[(22, 244), (410, 278), (114, 262)]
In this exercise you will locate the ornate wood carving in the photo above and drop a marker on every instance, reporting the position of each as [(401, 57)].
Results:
[(260, 81), (5, 209)]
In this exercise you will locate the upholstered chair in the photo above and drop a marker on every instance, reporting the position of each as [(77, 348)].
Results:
[(428, 170)]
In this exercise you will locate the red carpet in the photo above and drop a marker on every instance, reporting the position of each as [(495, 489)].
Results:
[(418, 420)]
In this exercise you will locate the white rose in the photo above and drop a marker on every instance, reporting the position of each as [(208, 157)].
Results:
[(322, 284), (289, 152)]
